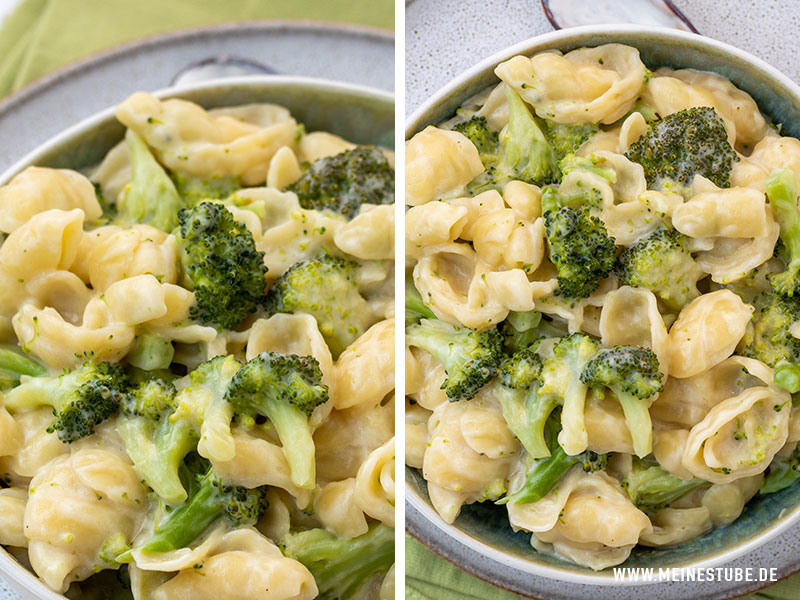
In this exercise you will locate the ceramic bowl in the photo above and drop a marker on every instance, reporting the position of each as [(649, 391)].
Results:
[(481, 540), (360, 114)]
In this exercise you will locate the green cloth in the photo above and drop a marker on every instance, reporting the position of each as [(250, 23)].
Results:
[(43, 35), (429, 577)]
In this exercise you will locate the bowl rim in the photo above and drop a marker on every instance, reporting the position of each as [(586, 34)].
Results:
[(20, 578), (422, 512)]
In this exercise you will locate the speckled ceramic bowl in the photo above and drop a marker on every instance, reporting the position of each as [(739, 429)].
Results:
[(481, 540), (359, 114)]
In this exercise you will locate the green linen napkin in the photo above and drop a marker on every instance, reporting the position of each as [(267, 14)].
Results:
[(429, 577), (43, 35)]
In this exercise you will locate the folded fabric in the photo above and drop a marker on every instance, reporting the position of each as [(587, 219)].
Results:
[(43, 35)]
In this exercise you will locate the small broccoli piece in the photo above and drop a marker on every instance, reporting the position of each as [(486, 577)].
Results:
[(567, 139), (325, 288), (150, 197), (553, 199), (525, 152), (524, 409), (631, 372), (193, 190), (342, 183), (81, 399), (477, 130), (571, 163), (650, 487), (341, 566), (782, 190), (220, 258), (284, 388), (150, 352), (543, 474), (767, 337), (783, 471), (662, 263), (520, 330), (416, 309), (561, 379), (212, 500), (14, 364), (155, 441), (581, 250), (470, 357), (684, 144)]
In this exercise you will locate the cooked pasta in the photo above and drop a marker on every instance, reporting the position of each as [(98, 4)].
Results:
[(601, 303), (184, 399)]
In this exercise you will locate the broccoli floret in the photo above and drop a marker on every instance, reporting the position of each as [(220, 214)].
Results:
[(470, 357), (150, 352), (193, 190), (581, 250), (631, 372), (485, 139), (650, 487), (341, 566), (782, 190), (342, 183), (81, 399), (567, 139), (524, 409), (520, 330), (416, 309), (284, 388), (155, 441), (14, 364), (783, 471), (662, 263), (543, 474), (561, 379), (684, 144), (150, 197), (325, 288), (212, 500), (220, 258)]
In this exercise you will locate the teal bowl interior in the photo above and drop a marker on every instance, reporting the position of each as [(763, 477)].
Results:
[(484, 527)]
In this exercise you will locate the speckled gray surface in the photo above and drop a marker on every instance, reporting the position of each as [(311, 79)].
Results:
[(446, 37)]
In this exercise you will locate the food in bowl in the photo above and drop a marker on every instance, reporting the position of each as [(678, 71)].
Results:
[(601, 298), (198, 370)]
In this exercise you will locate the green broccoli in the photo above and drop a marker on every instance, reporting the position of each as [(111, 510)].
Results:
[(150, 352), (570, 163), (342, 183), (341, 566), (524, 409), (684, 144), (14, 364), (470, 357), (325, 288), (484, 138), (416, 309), (224, 268), (561, 379), (567, 139), (150, 197), (155, 441), (284, 388), (193, 190), (520, 330), (782, 190), (580, 248), (631, 372), (783, 471), (662, 263), (81, 398), (650, 487), (212, 499), (542, 474)]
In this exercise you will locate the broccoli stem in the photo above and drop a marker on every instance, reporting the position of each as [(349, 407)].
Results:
[(416, 309), (637, 416), (12, 360), (573, 435), (783, 472), (782, 190), (186, 523), (541, 479), (787, 377), (526, 414), (295, 435)]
